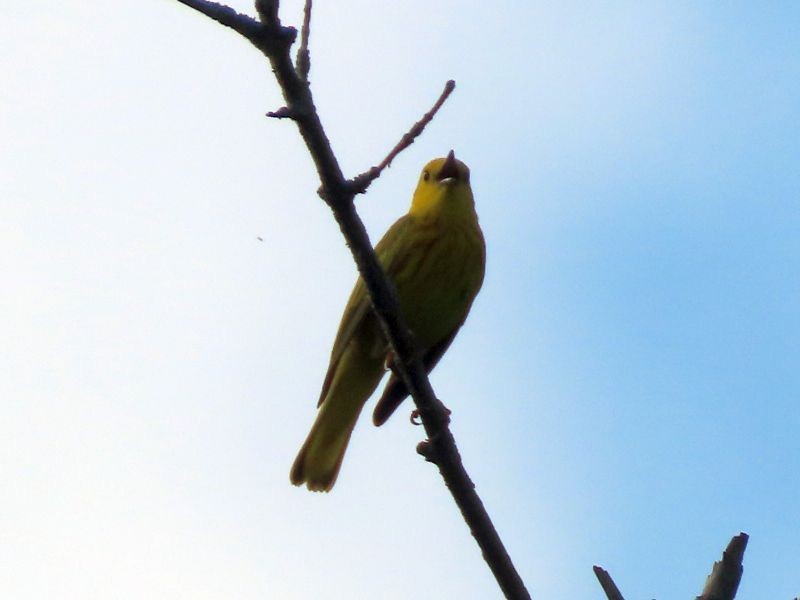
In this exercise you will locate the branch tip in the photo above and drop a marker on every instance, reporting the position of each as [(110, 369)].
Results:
[(303, 61), (609, 587), (723, 582), (425, 449), (360, 183)]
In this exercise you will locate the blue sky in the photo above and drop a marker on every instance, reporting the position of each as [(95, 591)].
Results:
[(625, 392)]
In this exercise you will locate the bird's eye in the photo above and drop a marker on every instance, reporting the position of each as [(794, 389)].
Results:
[(426, 175)]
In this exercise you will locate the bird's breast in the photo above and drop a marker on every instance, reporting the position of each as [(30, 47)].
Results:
[(440, 279)]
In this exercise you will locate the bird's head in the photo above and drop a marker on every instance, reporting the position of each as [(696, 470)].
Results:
[(443, 188)]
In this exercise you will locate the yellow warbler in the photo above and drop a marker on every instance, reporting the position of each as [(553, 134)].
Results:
[(435, 255)]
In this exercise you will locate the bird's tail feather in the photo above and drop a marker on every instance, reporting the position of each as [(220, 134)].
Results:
[(319, 460)]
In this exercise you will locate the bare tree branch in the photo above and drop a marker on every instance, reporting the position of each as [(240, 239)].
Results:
[(303, 61), (608, 585), (221, 13), (361, 182), (723, 582), (275, 40)]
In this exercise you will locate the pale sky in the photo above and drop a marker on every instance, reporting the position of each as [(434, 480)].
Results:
[(624, 393)]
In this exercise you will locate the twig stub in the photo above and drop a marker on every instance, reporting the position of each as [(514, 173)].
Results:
[(284, 112)]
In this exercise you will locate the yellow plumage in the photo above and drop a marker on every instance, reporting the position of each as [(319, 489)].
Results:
[(435, 255)]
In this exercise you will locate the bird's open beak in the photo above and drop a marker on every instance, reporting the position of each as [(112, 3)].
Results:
[(449, 171)]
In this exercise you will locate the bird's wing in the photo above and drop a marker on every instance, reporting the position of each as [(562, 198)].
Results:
[(389, 251), (395, 391)]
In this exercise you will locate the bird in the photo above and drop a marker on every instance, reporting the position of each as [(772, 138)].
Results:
[(435, 256)]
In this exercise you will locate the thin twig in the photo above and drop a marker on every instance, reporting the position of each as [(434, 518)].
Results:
[(221, 13), (274, 41), (268, 35), (723, 582), (608, 585), (303, 61), (360, 183)]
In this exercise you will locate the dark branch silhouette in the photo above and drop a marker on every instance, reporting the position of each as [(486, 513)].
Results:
[(608, 585), (722, 583), (725, 575), (275, 41), (303, 62)]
